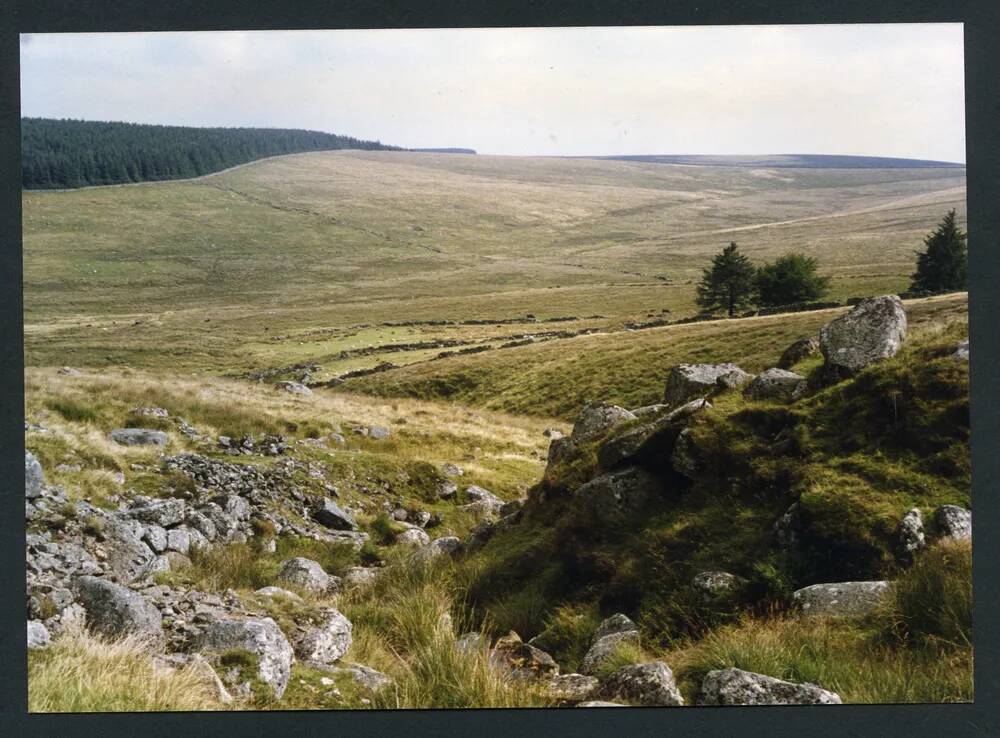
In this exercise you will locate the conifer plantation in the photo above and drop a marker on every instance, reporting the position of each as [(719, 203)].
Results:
[(62, 154)]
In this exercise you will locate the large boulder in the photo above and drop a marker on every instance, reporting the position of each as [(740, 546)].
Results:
[(953, 522), (689, 381), (483, 500), (738, 687), (650, 438), (596, 419), (873, 330), (650, 684), (327, 642), (841, 598), (34, 478), (611, 634), (305, 573), (776, 384), (260, 637), (445, 546), (801, 349), (126, 555), (330, 514), (616, 496), (114, 610), (413, 537), (164, 513), (139, 437)]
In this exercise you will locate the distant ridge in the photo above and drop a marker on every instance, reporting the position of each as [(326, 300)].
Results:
[(785, 161), (444, 151)]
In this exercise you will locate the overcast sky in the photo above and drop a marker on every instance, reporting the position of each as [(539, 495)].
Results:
[(878, 90)]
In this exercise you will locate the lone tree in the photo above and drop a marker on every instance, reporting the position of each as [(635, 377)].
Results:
[(729, 283), (942, 266), (790, 279)]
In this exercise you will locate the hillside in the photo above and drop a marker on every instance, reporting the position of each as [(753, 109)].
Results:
[(793, 161), (301, 258), (58, 154)]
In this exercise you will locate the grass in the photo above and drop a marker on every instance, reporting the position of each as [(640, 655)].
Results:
[(81, 673)]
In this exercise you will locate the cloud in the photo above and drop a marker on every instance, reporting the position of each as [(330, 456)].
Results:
[(894, 90)]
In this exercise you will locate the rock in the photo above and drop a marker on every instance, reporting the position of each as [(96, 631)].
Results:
[(559, 449), (617, 623), (447, 490), (446, 546), (296, 388), (279, 593), (378, 432), (689, 381), (328, 513), (38, 635), (873, 330), (360, 576), (615, 496), (776, 384), (328, 642), (738, 687), (604, 648), (488, 501), (413, 537), (201, 525), (422, 518), (512, 507), (178, 540), (684, 457), (68, 371), (364, 676), (650, 684), (961, 351), (552, 433), (126, 555), (801, 349), (399, 514), (570, 689), (716, 584), (259, 636), (198, 663), (34, 477), (114, 610), (596, 419), (139, 437), (954, 522), (150, 412), (650, 439), (910, 535), (164, 513), (155, 537), (841, 598), (657, 409), (786, 528), (305, 573), (600, 703), (450, 470), (523, 659)]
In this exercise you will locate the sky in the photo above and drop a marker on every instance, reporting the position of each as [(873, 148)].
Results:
[(874, 90)]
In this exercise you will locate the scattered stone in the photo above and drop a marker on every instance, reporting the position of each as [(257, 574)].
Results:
[(910, 535), (113, 610), (139, 437), (738, 687), (400, 514), (330, 514), (149, 412), (689, 381), (125, 553), (68, 371), (422, 518), (570, 689), (360, 576), (156, 538), (279, 593), (776, 384), (378, 432), (523, 660), (610, 634), (364, 676), (657, 409), (716, 584), (34, 477), (617, 623), (842, 598), (38, 635), (413, 537), (684, 457), (446, 546), (164, 513), (650, 684), (259, 636), (305, 573), (954, 522), (873, 330), (447, 490), (328, 642), (552, 433), (600, 703), (451, 470), (801, 349), (484, 499), (962, 351), (295, 388)]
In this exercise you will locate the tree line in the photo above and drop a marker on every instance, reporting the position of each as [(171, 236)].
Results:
[(732, 282), (61, 154)]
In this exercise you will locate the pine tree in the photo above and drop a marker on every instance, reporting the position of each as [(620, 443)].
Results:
[(729, 283), (942, 266), (790, 279)]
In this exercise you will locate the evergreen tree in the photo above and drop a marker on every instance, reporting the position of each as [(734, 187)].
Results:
[(790, 279), (941, 267), (729, 283)]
